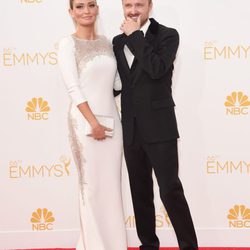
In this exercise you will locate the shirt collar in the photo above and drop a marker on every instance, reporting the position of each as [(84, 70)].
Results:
[(144, 28)]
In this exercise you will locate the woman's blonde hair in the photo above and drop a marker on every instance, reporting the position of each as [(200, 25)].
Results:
[(71, 4)]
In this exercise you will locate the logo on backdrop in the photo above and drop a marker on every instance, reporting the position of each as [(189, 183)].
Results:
[(215, 166), (213, 51), (239, 217), (31, 1), (237, 103), (42, 220), (161, 219), (37, 109), (17, 170), (13, 57)]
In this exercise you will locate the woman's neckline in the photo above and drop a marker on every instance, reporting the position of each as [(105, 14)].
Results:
[(86, 40)]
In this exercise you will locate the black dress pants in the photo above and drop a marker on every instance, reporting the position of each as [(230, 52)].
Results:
[(163, 157)]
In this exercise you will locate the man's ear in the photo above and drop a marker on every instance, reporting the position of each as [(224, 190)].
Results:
[(151, 6)]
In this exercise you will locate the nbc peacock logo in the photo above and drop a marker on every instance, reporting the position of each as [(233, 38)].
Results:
[(237, 104), (239, 217), (37, 109), (42, 219)]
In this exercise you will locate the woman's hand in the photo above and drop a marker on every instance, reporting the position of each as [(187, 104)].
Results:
[(98, 132)]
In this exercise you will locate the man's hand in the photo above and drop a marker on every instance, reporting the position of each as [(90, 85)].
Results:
[(129, 25)]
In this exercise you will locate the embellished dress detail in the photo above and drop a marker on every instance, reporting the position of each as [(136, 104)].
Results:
[(89, 72)]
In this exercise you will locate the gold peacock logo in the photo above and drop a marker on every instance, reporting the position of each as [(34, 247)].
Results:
[(42, 219), (237, 103), (237, 99), (239, 216), (37, 109)]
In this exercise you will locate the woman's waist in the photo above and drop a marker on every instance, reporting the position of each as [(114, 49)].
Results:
[(101, 110)]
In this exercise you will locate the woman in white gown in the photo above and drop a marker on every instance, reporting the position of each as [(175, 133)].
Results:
[(89, 71)]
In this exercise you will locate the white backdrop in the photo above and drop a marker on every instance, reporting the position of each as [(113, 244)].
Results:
[(38, 179)]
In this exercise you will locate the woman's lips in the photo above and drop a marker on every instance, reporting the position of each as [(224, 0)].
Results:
[(87, 17)]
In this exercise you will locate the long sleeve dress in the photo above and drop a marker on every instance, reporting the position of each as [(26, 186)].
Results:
[(89, 71)]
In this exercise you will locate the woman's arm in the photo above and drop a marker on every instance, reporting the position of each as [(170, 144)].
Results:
[(67, 65)]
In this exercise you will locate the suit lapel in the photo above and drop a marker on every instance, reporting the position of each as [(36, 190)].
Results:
[(152, 31)]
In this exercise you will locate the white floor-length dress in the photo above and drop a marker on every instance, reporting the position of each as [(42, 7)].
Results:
[(89, 72)]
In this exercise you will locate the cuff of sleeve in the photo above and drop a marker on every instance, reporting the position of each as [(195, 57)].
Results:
[(78, 99), (136, 34), (134, 39)]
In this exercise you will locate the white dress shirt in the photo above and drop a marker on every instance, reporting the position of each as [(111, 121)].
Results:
[(128, 54)]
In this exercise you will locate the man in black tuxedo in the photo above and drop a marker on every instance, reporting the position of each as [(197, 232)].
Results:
[(145, 53)]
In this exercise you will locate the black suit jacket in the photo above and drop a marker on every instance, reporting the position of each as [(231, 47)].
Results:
[(146, 87)]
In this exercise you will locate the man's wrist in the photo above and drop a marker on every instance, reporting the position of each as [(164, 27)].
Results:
[(133, 32)]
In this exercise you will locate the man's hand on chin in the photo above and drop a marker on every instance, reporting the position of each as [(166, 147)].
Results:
[(130, 25)]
